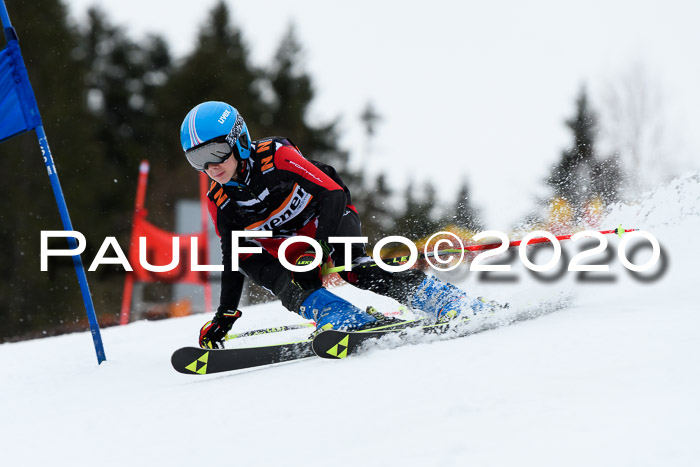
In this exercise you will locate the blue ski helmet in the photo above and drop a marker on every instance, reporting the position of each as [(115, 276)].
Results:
[(213, 122)]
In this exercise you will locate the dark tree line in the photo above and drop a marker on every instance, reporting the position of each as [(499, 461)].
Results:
[(107, 102), (583, 175)]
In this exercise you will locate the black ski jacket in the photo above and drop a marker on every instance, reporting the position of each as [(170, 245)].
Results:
[(279, 190)]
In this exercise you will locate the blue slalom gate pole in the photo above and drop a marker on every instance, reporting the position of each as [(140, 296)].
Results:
[(26, 109), (72, 243), (5, 18)]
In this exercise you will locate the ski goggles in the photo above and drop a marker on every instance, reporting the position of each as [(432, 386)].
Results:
[(215, 152)]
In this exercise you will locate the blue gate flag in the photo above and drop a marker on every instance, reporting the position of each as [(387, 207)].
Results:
[(18, 109), (19, 113)]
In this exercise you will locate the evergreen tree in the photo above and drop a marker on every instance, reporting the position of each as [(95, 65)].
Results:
[(121, 87), (122, 81), (292, 93), (108, 101), (217, 69), (581, 174), (94, 89), (372, 200), (570, 178), (417, 220), (121, 84), (464, 215), (369, 118), (30, 300), (608, 177), (375, 210)]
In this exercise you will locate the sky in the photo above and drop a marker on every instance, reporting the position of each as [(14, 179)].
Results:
[(475, 91)]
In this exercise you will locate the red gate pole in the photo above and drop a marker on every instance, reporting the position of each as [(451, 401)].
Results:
[(138, 212), (203, 200)]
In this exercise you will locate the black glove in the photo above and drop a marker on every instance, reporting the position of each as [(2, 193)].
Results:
[(213, 334), (311, 280)]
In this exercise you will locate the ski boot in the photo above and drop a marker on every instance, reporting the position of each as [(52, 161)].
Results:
[(332, 312), (488, 305), (445, 301)]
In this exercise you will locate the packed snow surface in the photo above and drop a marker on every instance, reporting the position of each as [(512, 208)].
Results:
[(612, 378)]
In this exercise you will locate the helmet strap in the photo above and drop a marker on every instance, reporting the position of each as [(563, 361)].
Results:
[(242, 168)]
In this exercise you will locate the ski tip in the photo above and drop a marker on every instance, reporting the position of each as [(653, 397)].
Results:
[(190, 360)]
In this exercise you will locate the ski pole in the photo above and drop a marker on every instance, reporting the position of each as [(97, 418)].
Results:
[(490, 246), (486, 246), (395, 260), (290, 327), (259, 332)]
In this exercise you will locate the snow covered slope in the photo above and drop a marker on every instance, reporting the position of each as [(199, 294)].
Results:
[(612, 379)]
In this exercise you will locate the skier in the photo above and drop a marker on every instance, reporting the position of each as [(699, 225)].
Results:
[(267, 185)]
